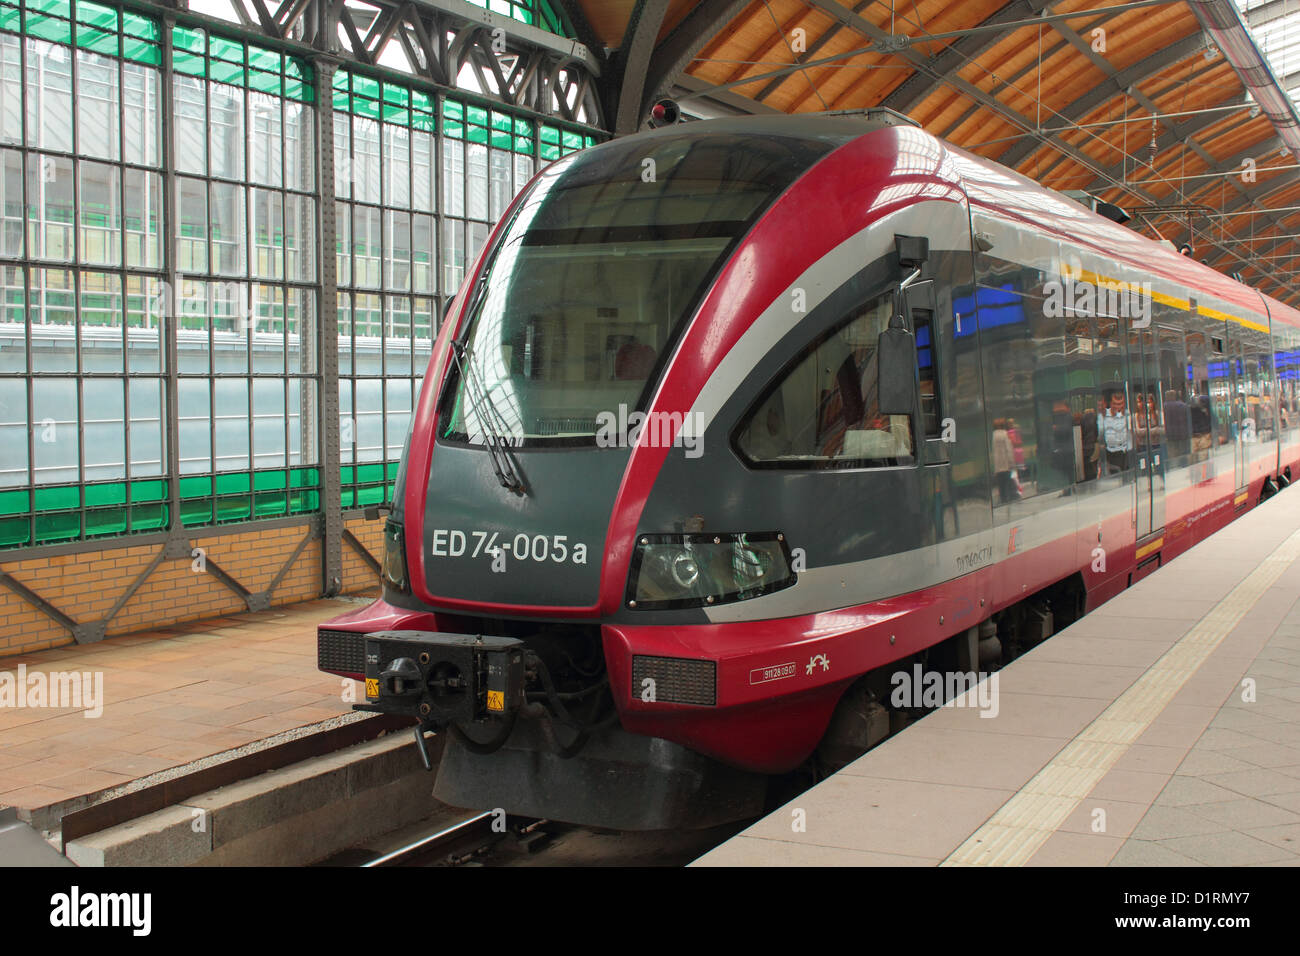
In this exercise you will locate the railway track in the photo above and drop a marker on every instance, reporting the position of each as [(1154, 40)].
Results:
[(472, 841), (490, 838)]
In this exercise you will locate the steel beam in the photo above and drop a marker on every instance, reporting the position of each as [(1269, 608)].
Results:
[(633, 60), (678, 49), (331, 464)]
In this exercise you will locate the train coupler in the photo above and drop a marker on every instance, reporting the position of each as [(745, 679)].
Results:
[(442, 679)]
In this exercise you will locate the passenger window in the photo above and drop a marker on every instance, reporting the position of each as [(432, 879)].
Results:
[(822, 411)]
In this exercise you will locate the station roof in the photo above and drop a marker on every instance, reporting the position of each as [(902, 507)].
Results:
[(1140, 103)]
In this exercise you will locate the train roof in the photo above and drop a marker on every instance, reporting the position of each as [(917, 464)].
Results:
[(996, 190)]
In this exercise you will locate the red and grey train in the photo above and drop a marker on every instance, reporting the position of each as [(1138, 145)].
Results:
[(732, 417)]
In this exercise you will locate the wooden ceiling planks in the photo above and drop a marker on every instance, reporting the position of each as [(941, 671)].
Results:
[(758, 41)]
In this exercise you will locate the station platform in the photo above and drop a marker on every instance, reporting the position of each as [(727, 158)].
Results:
[(171, 700), (1163, 729)]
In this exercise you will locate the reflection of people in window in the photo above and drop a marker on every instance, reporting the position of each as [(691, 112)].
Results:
[(1004, 460), (1017, 450), (1178, 423), (1202, 426), (1115, 433)]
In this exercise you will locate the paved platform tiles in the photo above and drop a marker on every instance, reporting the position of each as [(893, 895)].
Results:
[(1128, 739), (171, 696)]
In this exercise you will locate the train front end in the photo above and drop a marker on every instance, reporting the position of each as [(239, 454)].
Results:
[(568, 524)]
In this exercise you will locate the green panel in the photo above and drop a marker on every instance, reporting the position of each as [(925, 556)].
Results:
[(501, 121), (422, 101), (265, 82), (183, 62), (96, 15), (369, 496), (524, 145), (523, 128), (47, 28), (146, 28), (398, 115), (453, 109), (148, 491), (297, 90), (454, 129), (105, 521), (572, 140), (398, 95), (340, 81), (195, 513), (502, 140), (342, 102), (55, 497), (141, 52), (109, 494), (234, 509), (270, 504), (223, 72), (60, 8), (260, 58), (14, 502), (57, 527), (11, 19), (365, 86), (364, 107), (477, 134), (424, 121), (476, 115), (196, 486), (192, 41), (219, 48), (149, 517), (549, 152), (88, 38), (269, 480), (304, 478), (13, 532), (550, 134), (233, 482)]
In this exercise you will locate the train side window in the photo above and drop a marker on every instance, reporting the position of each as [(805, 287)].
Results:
[(822, 411)]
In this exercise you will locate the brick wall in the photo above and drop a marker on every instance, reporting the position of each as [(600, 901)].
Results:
[(85, 586)]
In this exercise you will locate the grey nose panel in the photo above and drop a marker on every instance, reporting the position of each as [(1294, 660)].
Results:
[(482, 542)]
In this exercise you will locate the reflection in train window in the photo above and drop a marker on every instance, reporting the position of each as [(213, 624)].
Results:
[(822, 412)]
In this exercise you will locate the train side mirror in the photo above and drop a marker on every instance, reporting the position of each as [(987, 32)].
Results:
[(896, 363)]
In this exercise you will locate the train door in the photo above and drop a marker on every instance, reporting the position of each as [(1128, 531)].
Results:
[(1148, 432)]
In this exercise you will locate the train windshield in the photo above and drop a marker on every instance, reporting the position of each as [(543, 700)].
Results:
[(603, 264)]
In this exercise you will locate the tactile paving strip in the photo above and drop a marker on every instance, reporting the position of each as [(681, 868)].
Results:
[(1025, 822)]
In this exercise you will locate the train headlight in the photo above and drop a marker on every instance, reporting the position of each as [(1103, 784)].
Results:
[(394, 557), (703, 570)]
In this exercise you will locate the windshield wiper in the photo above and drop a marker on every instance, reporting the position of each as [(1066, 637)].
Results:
[(485, 410)]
